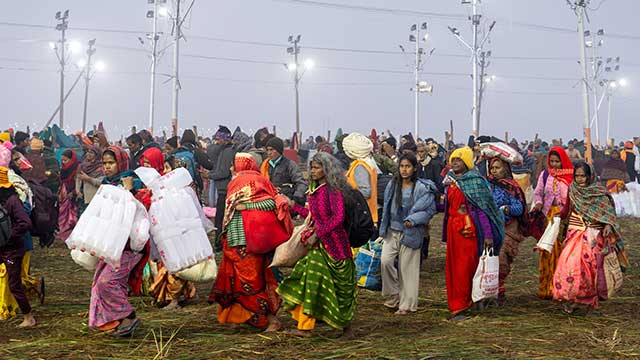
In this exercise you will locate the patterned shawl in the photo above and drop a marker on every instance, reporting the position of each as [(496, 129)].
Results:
[(248, 185), (477, 192), (512, 188), (594, 204)]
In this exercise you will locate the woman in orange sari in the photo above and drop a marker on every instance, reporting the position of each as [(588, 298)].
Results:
[(245, 288), (551, 197)]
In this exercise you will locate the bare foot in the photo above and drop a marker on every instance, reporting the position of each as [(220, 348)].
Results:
[(347, 333), (300, 333), (28, 322), (274, 327)]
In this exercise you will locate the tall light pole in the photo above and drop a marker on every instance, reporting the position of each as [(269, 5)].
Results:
[(154, 37), (611, 90), (579, 7), (594, 42), (176, 68), (63, 24), (417, 36), (475, 47), (485, 79), (298, 71), (87, 77)]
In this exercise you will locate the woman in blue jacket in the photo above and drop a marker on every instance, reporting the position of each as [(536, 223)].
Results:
[(409, 204)]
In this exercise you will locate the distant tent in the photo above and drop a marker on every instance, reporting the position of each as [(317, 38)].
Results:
[(61, 141)]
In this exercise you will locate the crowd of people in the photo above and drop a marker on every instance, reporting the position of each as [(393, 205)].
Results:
[(261, 182)]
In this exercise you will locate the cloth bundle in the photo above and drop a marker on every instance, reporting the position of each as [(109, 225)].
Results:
[(112, 218), (628, 202), (502, 151), (178, 224)]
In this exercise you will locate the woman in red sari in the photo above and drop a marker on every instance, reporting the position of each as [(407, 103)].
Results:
[(245, 288)]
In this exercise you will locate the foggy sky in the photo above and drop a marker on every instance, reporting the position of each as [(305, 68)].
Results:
[(253, 95)]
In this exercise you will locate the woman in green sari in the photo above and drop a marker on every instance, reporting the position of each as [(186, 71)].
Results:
[(322, 285)]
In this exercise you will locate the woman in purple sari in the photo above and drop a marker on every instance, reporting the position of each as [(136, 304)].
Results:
[(68, 216)]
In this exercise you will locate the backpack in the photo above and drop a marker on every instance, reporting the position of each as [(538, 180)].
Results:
[(358, 221), (44, 217), (5, 227), (383, 180), (186, 160)]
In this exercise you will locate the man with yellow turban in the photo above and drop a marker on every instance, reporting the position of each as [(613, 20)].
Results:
[(472, 223)]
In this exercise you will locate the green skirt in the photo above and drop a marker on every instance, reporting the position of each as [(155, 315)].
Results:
[(325, 288)]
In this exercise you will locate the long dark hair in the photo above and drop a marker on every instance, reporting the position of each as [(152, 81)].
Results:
[(398, 179)]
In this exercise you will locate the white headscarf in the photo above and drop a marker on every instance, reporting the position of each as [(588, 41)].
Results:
[(359, 147)]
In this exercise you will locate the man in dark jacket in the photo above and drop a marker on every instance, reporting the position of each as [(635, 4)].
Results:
[(136, 149), (283, 173), (222, 153)]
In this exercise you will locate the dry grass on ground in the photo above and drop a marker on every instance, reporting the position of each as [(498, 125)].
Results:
[(525, 328)]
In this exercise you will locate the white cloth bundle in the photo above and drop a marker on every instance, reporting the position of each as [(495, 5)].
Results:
[(178, 224), (112, 217), (628, 202), (502, 151)]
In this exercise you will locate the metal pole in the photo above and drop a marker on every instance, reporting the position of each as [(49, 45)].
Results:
[(154, 54), (417, 86), (176, 82), (474, 58), (297, 85), (580, 8), (481, 90), (63, 100), (62, 65), (609, 101), (594, 86), (87, 78)]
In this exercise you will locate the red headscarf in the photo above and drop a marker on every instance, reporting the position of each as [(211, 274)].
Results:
[(155, 158), (566, 173), (122, 158), (244, 162), (69, 170)]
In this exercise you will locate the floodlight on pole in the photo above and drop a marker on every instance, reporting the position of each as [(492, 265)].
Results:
[(163, 11), (100, 66), (292, 67), (309, 64), (75, 47), (623, 82)]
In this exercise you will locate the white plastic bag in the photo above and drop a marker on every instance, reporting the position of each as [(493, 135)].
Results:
[(486, 279), (550, 235), (84, 259), (203, 272)]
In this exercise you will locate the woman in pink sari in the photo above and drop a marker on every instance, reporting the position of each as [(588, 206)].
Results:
[(68, 216)]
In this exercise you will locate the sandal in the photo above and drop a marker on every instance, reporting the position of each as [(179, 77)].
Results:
[(127, 331), (404, 312)]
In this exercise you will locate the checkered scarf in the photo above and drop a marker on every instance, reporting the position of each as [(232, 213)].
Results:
[(594, 204)]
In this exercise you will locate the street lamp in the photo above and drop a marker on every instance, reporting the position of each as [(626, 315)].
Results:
[(418, 36), (295, 68)]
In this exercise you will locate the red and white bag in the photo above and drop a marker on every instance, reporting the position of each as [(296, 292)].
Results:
[(502, 151), (486, 279)]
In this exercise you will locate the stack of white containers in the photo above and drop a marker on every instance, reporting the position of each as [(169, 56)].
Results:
[(112, 217), (178, 225), (628, 202)]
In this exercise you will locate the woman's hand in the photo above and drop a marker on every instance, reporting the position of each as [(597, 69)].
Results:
[(84, 177), (607, 231), (408, 224), (241, 207), (127, 183), (289, 201), (538, 207), (488, 243)]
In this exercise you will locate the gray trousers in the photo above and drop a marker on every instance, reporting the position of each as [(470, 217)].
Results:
[(403, 281)]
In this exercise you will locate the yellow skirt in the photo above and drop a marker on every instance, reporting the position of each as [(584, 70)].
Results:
[(8, 304)]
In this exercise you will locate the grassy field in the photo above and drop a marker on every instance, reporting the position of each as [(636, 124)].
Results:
[(524, 328)]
